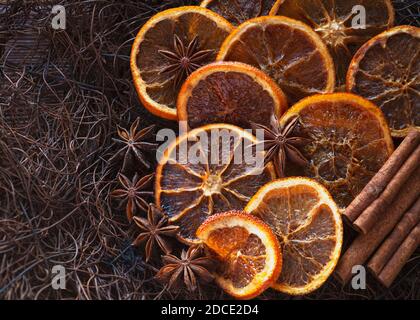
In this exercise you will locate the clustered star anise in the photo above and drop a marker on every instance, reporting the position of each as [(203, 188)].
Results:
[(184, 60), (281, 146), (134, 192), (191, 268), (134, 143), (155, 231)]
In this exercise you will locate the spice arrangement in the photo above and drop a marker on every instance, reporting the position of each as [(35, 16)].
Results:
[(341, 141), (81, 171)]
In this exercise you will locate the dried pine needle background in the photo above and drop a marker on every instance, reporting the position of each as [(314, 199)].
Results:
[(62, 95)]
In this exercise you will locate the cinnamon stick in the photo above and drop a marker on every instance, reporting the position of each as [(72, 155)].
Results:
[(400, 258), (378, 183), (374, 212), (385, 252), (365, 244)]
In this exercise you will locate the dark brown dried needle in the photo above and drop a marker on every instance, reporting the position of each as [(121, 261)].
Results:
[(134, 143), (155, 230), (134, 192), (281, 146), (184, 60), (191, 268)]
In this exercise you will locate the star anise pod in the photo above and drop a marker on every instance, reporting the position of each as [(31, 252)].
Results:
[(134, 143), (134, 192), (281, 146), (184, 60), (191, 268), (155, 230)]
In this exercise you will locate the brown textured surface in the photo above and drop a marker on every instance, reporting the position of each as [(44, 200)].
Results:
[(286, 54), (386, 71), (332, 20), (238, 11), (229, 97)]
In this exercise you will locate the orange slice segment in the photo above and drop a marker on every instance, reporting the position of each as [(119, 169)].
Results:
[(287, 50), (248, 252), (239, 11), (308, 225), (206, 171), (337, 22), (386, 71), (168, 48), (229, 92), (350, 141)]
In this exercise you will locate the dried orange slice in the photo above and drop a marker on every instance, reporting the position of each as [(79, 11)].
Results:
[(209, 170), (248, 252), (386, 71), (170, 46), (350, 141), (229, 92), (239, 11), (338, 21), (287, 50), (308, 225)]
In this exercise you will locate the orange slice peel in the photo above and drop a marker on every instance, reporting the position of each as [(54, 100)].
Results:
[(308, 225), (287, 50), (247, 249), (350, 141), (191, 191), (384, 72), (229, 92), (158, 90), (337, 23)]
